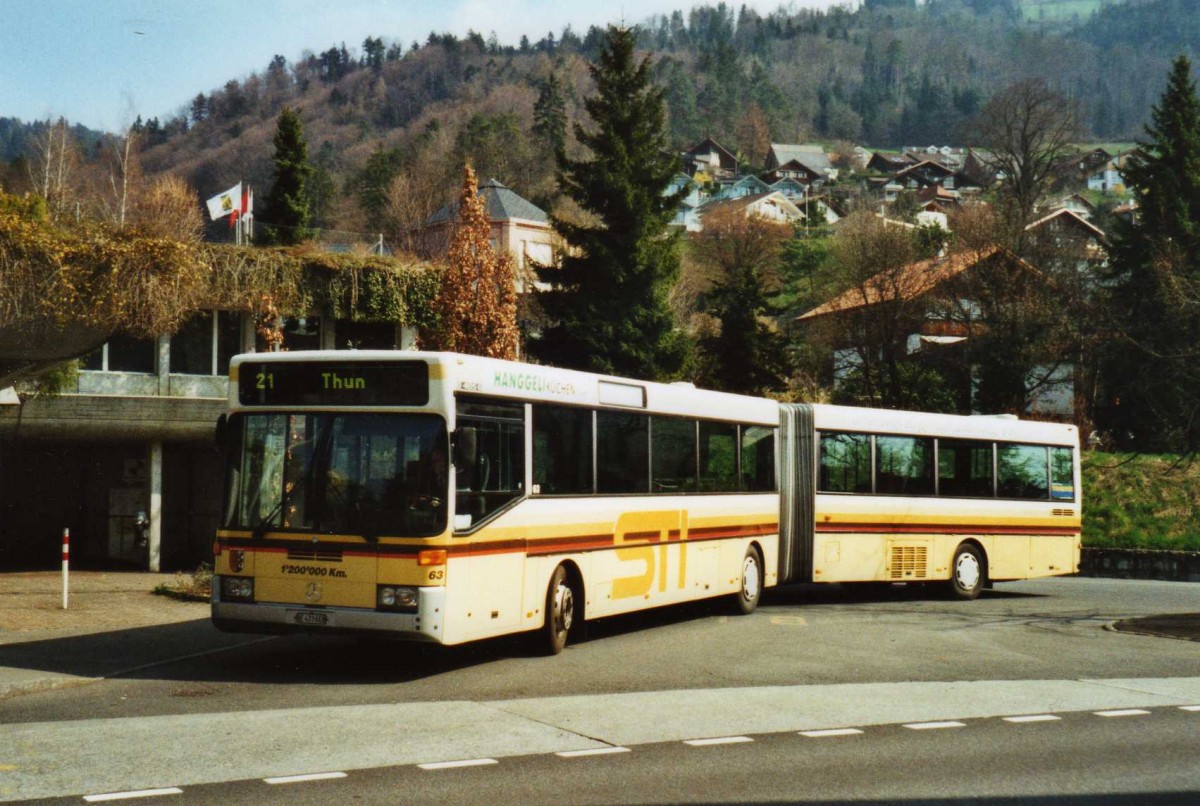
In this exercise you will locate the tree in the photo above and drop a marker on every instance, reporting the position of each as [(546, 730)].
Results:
[(1029, 130), (285, 216), (476, 304), (550, 115), (741, 351), (1152, 378), (608, 306)]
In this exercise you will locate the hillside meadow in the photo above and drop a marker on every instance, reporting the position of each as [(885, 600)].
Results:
[(1141, 501)]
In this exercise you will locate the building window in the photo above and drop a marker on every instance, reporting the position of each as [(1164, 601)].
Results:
[(204, 345), (364, 335), (123, 354)]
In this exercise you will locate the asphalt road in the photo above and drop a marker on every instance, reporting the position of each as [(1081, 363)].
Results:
[(810, 658), (1067, 760)]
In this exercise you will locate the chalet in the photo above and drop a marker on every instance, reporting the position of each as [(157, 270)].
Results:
[(795, 191), (748, 185), (883, 163), (1076, 203), (808, 164), (518, 227), (931, 299), (710, 158), (1108, 178), (771, 206)]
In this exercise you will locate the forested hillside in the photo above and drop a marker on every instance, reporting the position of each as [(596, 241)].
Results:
[(389, 121)]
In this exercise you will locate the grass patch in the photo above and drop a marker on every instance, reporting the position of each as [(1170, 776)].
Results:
[(193, 587), (1141, 501)]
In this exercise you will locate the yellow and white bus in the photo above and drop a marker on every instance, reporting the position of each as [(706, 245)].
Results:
[(448, 498)]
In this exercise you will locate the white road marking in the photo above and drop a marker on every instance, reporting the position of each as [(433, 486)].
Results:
[(721, 740), (1033, 718), (1123, 712), (934, 725), (140, 793), (595, 751), (298, 779), (821, 734), (453, 765), (1189, 708)]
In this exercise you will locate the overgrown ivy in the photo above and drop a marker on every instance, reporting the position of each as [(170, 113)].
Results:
[(122, 281)]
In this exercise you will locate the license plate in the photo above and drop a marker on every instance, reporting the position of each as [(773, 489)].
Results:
[(311, 617)]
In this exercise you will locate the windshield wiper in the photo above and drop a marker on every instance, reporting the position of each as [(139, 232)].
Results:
[(264, 525)]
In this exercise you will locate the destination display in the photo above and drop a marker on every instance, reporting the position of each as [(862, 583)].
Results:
[(345, 383)]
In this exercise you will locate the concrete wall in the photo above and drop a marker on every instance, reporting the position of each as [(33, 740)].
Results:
[(1180, 566)]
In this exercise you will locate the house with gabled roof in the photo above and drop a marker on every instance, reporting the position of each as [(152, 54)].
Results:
[(711, 158), (748, 185), (929, 300), (806, 163), (518, 226), (771, 206)]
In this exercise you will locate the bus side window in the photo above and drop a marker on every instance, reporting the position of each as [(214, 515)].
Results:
[(497, 475), (562, 450), (673, 455), (845, 463), (1062, 474), (965, 468), (1023, 472), (622, 452), (758, 459), (718, 457), (904, 466)]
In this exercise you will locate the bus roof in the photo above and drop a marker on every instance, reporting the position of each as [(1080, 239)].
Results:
[(492, 377), (992, 427)]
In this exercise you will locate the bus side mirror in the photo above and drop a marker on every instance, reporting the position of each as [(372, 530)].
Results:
[(464, 449)]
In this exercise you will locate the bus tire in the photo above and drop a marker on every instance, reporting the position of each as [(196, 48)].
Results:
[(968, 572), (561, 610), (751, 582)]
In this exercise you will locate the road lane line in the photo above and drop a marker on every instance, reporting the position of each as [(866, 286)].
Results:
[(299, 779), (595, 751), (1033, 718), (720, 740), (453, 765), (1123, 712), (1189, 708), (139, 793), (821, 734), (934, 725)]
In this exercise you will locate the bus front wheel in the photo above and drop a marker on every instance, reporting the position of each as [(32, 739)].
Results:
[(968, 572), (560, 612), (750, 589)]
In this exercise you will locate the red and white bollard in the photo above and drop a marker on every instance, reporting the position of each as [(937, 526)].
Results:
[(66, 563)]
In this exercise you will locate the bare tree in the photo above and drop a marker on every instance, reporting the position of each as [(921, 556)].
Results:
[(1028, 130), (53, 167)]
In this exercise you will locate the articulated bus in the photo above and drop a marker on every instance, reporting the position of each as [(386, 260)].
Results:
[(449, 498)]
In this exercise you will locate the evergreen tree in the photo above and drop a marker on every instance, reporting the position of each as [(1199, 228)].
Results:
[(550, 115), (608, 306), (743, 353), (1153, 375), (285, 216)]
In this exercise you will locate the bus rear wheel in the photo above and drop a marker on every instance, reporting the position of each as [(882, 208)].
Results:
[(560, 612), (750, 589), (968, 572)]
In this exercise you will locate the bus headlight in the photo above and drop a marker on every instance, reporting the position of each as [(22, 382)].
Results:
[(237, 588), (401, 598)]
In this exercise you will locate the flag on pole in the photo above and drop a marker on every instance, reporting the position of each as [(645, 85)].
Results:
[(227, 203)]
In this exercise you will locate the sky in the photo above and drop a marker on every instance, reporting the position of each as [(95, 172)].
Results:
[(103, 63)]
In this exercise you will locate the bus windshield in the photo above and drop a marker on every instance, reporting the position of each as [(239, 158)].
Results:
[(335, 473)]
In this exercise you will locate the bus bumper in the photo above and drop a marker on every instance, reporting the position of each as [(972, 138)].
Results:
[(276, 618)]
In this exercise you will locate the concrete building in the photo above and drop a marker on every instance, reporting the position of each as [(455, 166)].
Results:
[(124, 457)]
